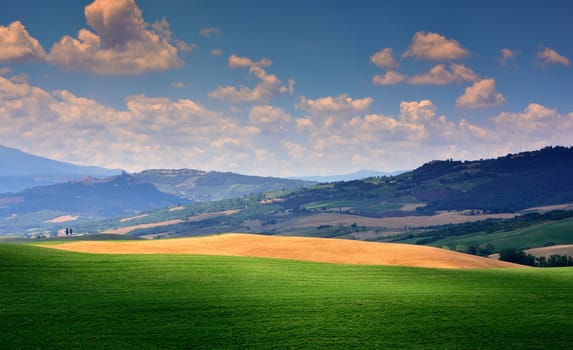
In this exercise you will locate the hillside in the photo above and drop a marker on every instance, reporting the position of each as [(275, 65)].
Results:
[(376, 208), (54, 299), (503, 185), (338, 251), (506, 184), (206, 186), (126, 194), (114, 196), (20, 170), (382, 208), (526, 231)]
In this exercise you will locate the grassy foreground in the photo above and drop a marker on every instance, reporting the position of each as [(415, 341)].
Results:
[(56, 299)]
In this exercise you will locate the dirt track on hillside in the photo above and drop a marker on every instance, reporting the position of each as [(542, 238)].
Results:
[(297, 248)]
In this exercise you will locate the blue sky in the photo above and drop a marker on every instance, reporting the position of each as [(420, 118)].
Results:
[(284, 88)]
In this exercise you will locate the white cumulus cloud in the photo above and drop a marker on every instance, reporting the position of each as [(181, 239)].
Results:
[(339, 104), (269, 118), (441, 75), (17, 45), (481, 94), (507, 57), (123, 43), (269, 85), (244, 62), (149, 132), (433, 46), (389, 78), (550, 56), (384, 59)]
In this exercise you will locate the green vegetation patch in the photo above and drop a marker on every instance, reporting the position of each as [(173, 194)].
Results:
[(525, 231), (56, 299), (560, 232)]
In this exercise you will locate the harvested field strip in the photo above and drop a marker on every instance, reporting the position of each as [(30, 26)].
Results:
[(296, 248), (128, 229), (394, 222), (563, 249)]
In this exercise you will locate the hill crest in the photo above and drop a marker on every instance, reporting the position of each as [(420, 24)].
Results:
[(338, 251)]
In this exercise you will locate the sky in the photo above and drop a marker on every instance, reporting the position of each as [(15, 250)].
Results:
[(284, 88)]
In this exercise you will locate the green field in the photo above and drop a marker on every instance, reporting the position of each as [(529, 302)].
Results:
[(560, 232), (61, 300)]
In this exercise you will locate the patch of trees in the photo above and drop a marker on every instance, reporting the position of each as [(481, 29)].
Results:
[(518, 256), (475, 249)]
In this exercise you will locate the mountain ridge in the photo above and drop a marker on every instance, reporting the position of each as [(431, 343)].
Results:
[(357, 175), (437, 193), (472, 189), (20, 170)]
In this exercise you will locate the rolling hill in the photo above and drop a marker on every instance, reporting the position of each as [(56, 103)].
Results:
[(112, 196), (207, 186), (54, 299), (89, 198), (376, 208), (506, 184), (338, 251), (399, 208)]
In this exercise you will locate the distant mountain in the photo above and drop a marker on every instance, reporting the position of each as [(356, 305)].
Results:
[(206, 186), (128, 194), (113, 196), (360, 174), (506, 184), (20, 170)]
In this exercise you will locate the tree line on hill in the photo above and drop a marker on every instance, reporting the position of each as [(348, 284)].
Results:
[(518, 256)]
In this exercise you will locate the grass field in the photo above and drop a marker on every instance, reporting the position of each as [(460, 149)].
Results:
[(55, 299), (560, 232)]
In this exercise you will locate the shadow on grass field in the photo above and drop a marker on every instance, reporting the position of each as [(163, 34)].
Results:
[(54, 299)]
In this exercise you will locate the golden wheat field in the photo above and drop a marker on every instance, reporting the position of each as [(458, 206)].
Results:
[(338, 251)]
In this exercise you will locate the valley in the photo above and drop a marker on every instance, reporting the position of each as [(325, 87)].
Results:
[(406, 261), (430, 205)]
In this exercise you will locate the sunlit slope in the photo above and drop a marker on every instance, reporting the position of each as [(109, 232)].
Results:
[(54, 299), (297, 248)]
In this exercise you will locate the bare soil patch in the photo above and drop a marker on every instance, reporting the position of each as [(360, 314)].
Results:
[(128, 229), (204, 216), (412, 206), (393, 222), (63, 218), (133, 217), (567, 206), (563, 249), (297, 248)]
